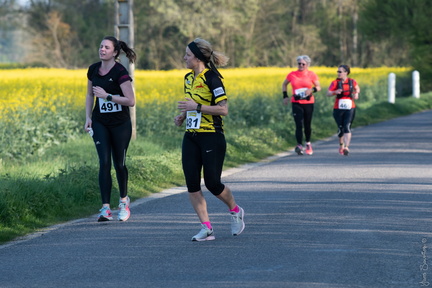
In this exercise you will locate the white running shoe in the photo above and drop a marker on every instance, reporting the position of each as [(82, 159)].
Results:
[(205, 234), (124, 211), (237, 222), (105, 214)]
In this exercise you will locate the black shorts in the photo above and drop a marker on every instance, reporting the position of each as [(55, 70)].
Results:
[(344, 119)]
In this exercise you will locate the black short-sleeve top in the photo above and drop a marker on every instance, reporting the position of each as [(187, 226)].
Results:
[(108, 112)]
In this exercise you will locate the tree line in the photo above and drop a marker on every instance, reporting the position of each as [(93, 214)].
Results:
[(360, 33)]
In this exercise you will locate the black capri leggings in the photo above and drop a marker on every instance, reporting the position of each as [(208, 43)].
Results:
[(344, 119), (303, 117), (112, 141), (205, 150)]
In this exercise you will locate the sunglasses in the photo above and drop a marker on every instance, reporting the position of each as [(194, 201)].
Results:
[(341, 72), (302, 64)]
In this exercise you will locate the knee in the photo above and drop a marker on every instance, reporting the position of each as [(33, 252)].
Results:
[(120, 167), (104, 164), (216, 188), (347, 129)]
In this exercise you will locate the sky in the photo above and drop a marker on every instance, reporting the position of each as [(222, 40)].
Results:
[(22, 2)]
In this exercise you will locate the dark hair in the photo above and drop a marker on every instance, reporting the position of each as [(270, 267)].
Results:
[(120, 45), (346, 67)]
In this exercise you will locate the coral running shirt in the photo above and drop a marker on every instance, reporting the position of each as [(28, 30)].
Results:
[(300, 80), (346, 94)]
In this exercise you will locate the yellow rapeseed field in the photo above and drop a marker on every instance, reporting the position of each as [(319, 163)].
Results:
[(51, 90), (44, 107)]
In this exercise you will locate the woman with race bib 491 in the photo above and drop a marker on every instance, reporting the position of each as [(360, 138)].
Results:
[(109, 96), (346, 91)]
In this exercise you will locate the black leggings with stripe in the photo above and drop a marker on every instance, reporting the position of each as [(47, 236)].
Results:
[(344, 119), (303, 118), (112, 141), (203, 151)]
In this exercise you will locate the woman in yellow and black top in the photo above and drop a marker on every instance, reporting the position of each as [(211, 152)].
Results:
[(204, 144)]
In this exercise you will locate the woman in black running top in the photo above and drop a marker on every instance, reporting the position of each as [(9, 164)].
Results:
[(204, 145), (109, 96)]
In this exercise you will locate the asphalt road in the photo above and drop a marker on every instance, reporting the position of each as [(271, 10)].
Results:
[(311, 221)]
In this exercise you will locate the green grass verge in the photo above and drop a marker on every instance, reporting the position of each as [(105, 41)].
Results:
[(62, 184)]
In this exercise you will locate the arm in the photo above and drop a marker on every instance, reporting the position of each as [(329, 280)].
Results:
[(331, 92), (221, 108), (317, 86), (128, 92), (284, 92), (356, 92), (89, 105), (285, 85), (179, 119)]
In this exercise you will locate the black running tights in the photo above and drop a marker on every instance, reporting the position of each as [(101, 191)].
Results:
[(303, 117), (112, 141)]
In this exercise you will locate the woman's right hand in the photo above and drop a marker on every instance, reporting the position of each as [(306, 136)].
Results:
[(179, 119), (87, 125)]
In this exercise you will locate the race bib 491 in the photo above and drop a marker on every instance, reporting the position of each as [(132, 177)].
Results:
[(108, 106)]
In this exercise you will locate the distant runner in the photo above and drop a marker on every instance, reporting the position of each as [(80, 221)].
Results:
[(346, 91)]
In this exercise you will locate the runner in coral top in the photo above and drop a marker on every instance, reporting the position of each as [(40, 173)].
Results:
[(304, 83), (346, 91)]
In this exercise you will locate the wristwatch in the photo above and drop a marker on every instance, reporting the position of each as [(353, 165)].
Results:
[(199, 108), (109, 97)]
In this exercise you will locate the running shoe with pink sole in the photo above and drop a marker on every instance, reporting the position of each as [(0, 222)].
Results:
[(124, 211), (105, 214)]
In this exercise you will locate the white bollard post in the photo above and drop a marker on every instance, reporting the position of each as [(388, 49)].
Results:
[(416, 84), (392, 88)]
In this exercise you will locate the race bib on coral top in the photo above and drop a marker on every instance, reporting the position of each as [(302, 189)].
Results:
[(345, 104), (193, 120), (301, 92), (109, 106)]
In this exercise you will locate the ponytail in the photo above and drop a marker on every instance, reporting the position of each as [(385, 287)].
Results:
[(121, 45), (130, 54)]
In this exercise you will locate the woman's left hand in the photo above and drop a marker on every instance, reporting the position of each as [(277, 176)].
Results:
[(187, 105)]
